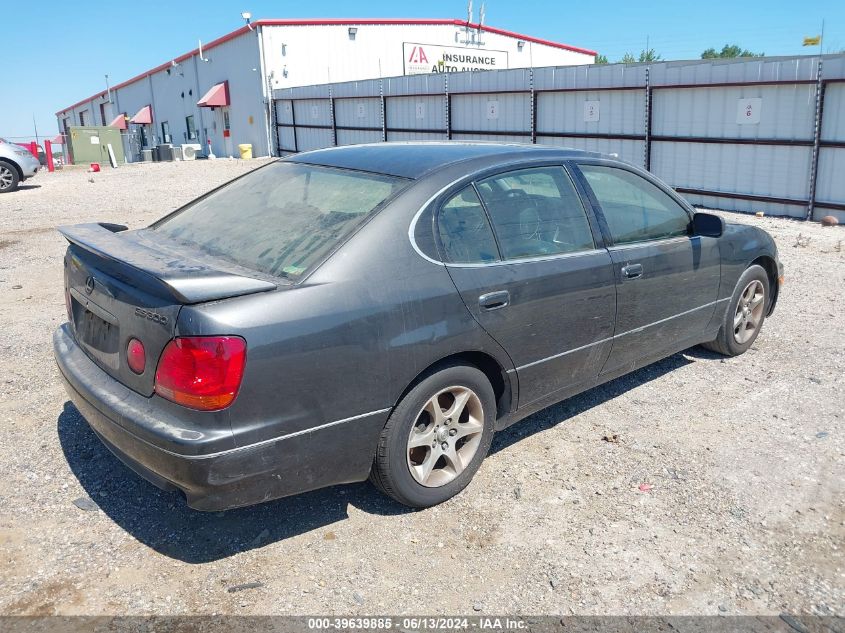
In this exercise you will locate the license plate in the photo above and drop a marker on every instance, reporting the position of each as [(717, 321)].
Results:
[(96, 333)]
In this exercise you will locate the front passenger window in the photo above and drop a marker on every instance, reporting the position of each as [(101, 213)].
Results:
[(635, 209)]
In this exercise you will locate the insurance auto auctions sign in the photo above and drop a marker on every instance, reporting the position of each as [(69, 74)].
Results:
[(421, 59)]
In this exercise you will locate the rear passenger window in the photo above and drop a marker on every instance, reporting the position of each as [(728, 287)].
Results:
[(464, 230), (635, 209), (536, 212)]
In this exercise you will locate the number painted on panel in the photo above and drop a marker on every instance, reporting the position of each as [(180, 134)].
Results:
[(492, 110), (748, 111)]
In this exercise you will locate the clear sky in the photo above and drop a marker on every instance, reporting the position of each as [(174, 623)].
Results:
[(56, 53)]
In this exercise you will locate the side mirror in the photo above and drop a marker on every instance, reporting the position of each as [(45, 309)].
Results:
[(707, 225)]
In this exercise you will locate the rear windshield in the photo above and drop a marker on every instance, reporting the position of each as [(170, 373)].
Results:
[(281, 219)]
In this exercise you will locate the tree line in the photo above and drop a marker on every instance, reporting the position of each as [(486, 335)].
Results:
[(729, 51)]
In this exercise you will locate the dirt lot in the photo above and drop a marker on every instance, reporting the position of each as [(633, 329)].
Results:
[(745, 456)]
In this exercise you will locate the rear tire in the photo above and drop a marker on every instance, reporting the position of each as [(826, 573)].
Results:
[(744, 315), (436, 437), (9, 177)]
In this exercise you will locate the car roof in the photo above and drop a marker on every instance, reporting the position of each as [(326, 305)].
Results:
[(414, 159)]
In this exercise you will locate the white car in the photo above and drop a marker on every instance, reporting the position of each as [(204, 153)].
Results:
[(16, 165)]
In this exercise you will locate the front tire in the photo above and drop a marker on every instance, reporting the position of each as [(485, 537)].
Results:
[(436, 437), (745, 314), (9, 177)]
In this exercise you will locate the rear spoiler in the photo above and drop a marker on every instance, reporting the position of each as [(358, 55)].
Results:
[(188, 279)]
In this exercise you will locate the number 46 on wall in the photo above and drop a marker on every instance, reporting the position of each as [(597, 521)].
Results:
[(748, 111)]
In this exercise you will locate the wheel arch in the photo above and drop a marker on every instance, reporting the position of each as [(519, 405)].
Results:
[(484, 362), (767, 263), (12, 163)]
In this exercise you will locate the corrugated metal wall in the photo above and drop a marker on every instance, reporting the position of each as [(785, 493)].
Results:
[(746, 135)]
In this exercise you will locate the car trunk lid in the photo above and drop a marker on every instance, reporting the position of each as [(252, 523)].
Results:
[(124, 285)]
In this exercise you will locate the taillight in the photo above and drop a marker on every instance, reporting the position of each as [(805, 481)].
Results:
[(136, 356), (68, 305), (201, 372)]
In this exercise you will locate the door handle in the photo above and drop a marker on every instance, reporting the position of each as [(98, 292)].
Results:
[(632, 271), (494, 300)]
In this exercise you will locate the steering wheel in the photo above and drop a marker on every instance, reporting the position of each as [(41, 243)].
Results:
[(515, 193)]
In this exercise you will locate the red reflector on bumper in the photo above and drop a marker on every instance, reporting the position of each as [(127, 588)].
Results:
[(136, 356)]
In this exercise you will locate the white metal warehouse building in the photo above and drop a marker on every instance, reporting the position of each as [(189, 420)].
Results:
[(220, 95)]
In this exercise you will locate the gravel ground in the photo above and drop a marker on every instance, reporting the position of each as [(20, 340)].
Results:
[(745, 514)]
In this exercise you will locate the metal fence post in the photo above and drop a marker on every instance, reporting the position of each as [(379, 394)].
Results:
[(293, 123), (817, 134), (533, 106), (648, 103), (274, 118), (383, 110), (331, 115), (448, 107)]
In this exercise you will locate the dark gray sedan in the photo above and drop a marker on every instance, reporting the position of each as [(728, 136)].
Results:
[(381, 310)]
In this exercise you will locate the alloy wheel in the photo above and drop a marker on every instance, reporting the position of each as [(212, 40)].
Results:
[(749, 311), (445, 436), (5, 177)]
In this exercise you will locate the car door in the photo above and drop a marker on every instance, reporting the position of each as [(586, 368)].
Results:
[(521, 251), (667, 279)]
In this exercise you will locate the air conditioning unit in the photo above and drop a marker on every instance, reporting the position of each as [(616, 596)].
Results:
[(190, 151)]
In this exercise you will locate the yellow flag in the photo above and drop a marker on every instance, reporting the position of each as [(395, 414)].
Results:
[(813, 41)]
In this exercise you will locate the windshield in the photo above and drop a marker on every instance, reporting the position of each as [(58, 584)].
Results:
[(281, 219)]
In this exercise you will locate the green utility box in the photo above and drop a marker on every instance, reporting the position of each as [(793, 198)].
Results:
[(89, 144)]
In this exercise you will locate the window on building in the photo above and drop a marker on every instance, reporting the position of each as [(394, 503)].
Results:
[(83, 118), (635, 209), (165, 132), (103, 114), (536, 212), (189, 125)]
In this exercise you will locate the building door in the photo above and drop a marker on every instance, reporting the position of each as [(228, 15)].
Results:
[(143, 141), (227, 131)]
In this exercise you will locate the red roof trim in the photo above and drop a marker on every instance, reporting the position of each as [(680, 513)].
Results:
[(528, 38), (333, 22)]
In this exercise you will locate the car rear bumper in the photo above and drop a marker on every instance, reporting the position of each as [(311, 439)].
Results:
[(323, 456)]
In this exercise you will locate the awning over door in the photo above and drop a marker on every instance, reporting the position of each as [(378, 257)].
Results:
[(144, 116), (217, 97), (119, 121)]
